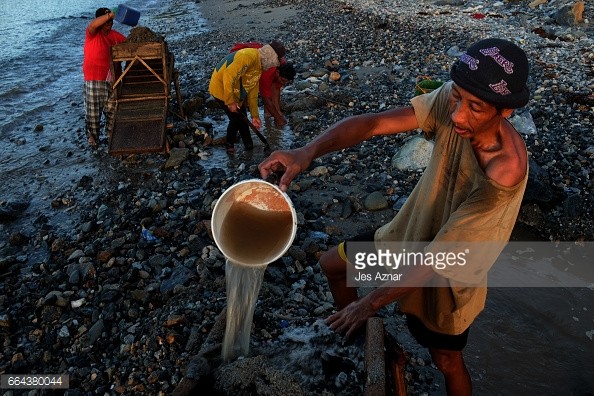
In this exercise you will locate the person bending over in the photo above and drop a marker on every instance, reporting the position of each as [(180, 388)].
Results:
[(234, 85), (271, 84)]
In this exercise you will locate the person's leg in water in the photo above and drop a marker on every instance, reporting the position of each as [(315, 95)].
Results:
[(452, 366), (233, 128), (446, 353), (109, 112), (244, 129), (95, 97), (235, 122)]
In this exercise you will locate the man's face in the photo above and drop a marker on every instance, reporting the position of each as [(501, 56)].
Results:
[(471, 115), (283, 80)]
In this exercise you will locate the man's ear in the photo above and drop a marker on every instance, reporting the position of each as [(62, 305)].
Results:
[(506, 112)]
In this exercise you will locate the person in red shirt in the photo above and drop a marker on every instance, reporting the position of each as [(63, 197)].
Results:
[(271, 83), (99, 38)]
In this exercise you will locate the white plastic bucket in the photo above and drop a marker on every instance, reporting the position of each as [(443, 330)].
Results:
[(254, 223)]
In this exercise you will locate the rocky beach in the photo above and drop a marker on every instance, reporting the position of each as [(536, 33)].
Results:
[(85, 293)]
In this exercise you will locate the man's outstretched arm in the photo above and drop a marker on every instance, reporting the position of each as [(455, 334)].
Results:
[(343, 134)]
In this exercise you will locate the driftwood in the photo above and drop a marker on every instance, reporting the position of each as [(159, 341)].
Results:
[(396, 358)]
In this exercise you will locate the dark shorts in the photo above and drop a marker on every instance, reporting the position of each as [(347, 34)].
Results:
[(424, 336), (368, 236), (431, 339)]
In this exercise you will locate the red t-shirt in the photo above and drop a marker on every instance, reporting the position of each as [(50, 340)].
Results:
[(268, 76), (97, 56)]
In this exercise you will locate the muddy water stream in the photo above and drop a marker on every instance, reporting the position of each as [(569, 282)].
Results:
[(251, 235), (278, 138), (253, 224), (243, 286)]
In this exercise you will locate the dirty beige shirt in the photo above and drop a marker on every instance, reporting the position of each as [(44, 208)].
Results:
[(454, 201)]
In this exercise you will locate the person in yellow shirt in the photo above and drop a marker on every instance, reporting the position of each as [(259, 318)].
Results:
[(234, 85), (272, 82), (469, 194)]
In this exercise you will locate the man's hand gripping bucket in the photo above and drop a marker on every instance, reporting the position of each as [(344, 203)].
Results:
[(253, 224)]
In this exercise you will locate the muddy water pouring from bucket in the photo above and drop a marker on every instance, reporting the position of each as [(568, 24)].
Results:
[(253, 224)]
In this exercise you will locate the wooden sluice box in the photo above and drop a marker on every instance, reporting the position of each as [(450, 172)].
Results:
[(142, 93)]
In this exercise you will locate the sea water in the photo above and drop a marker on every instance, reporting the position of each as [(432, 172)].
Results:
[(41, 58), (43, 150)]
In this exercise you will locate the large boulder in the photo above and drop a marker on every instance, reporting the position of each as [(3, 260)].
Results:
[(413, 155)]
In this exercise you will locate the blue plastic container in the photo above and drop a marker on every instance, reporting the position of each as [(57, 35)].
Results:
[(127, 15)]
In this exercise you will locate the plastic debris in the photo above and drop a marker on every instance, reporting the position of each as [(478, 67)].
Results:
[(148, 236)]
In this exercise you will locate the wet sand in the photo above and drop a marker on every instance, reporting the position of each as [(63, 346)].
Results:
[(256, 20)]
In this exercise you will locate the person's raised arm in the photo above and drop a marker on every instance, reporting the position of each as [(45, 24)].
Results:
[(346, 133), (96, 23)]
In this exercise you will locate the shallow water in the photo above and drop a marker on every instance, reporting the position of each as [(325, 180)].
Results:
[(278, 138), (44, 151), (44, 59), (534, 341)]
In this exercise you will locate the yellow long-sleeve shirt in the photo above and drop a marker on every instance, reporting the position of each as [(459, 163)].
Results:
[(236, 77)]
